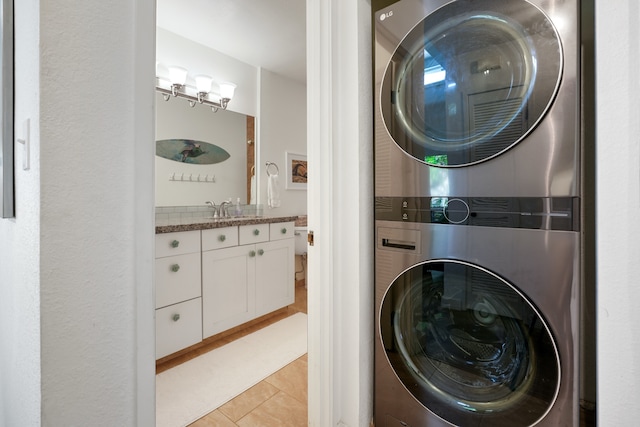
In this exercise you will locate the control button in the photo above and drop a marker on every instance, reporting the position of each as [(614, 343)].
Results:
[(456, 211)]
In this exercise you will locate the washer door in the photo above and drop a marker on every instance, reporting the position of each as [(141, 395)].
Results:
[(468, 346), (471, 80)]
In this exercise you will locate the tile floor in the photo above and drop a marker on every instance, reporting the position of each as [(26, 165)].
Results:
[(279, 400)]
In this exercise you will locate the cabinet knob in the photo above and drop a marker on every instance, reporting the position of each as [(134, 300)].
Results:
[(256, 232), (260, 251), (222, 237), (176, 317), (252, 253), (175, 268), (283, 231), (175, 243)]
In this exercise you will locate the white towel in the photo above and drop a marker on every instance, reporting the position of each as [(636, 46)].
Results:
[(252, 201), (273, 192)]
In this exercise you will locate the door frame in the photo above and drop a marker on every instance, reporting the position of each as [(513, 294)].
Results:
[(340, 212)]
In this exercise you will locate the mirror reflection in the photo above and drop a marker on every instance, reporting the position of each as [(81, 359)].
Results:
[(202, 155)]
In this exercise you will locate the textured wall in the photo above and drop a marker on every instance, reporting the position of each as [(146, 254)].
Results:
[(68, 270)]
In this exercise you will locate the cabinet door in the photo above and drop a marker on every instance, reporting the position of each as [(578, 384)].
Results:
[(275, 273), (228, 288), (254, 233), (281, 230), (177, 279), (178, 326), (182, 242), (219, 238)]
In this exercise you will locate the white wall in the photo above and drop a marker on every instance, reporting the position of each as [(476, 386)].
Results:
[(226, 129), (282, 127), (20, 374), (618, 210), (172, 49), (76, 318)]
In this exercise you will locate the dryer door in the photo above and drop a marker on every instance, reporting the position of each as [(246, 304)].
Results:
[(469, 346), (471, 80)]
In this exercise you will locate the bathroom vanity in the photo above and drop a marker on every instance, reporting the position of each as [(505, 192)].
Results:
[(214, 275)]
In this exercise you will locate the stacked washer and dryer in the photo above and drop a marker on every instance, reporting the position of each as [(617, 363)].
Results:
[(477, 213)]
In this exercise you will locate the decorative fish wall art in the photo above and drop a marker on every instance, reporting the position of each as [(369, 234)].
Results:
[(191, 151)]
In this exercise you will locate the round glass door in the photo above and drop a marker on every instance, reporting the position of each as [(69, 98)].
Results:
[(468, 346), (471, 80)]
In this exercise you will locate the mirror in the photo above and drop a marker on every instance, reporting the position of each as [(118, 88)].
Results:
[(202, 155)]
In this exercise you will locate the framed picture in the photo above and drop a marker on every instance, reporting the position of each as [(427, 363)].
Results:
[(296, 171), (7, 209)]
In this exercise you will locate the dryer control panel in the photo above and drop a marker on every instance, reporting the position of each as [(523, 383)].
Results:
[(537, 213)]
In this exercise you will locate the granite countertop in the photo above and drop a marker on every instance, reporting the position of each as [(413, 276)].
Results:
[(189, 224)]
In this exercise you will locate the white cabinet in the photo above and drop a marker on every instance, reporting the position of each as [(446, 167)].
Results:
[(208, 281), (178, 326), (281, 230), (247, 281), (254, 233), (178, 290), (275, 281), (219, 238), (228, 289), (177, 279), (182, 242)]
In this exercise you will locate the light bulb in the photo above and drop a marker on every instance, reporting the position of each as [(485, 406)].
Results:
[(227, 90)]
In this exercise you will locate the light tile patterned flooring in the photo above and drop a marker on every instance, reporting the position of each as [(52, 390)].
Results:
[(280, 400)]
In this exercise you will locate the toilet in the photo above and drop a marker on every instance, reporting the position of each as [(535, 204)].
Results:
[(301, 240), (300, 233)]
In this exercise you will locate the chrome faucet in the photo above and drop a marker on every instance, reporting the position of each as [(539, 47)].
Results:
[(224, 210), (213, 206)]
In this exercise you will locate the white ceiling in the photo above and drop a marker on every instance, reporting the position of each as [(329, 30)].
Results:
[(263, 33)]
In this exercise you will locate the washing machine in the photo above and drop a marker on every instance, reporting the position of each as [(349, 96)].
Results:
[(477, 212), (477, 311), (477, 97)]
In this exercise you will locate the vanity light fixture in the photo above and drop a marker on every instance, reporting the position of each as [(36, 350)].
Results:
[(202, 92)]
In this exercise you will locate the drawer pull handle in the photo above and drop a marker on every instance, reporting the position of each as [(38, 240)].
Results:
[(176, 317), (260, 251), (283, 231), (175, 243), (256, 232), (222, 237), (175, 268), (252, 254)]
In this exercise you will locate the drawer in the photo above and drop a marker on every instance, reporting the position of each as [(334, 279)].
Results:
[(281, 230), (255, 233), (218, 238), (178, 326), (183, 242), (177, 279)]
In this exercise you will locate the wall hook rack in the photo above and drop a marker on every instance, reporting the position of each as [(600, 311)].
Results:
[(183, 177)]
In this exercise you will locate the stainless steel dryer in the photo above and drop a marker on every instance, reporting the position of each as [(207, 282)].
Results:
[(477, 309), (477, 97)]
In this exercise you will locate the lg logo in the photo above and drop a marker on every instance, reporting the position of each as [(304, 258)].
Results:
[(386, 15)]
